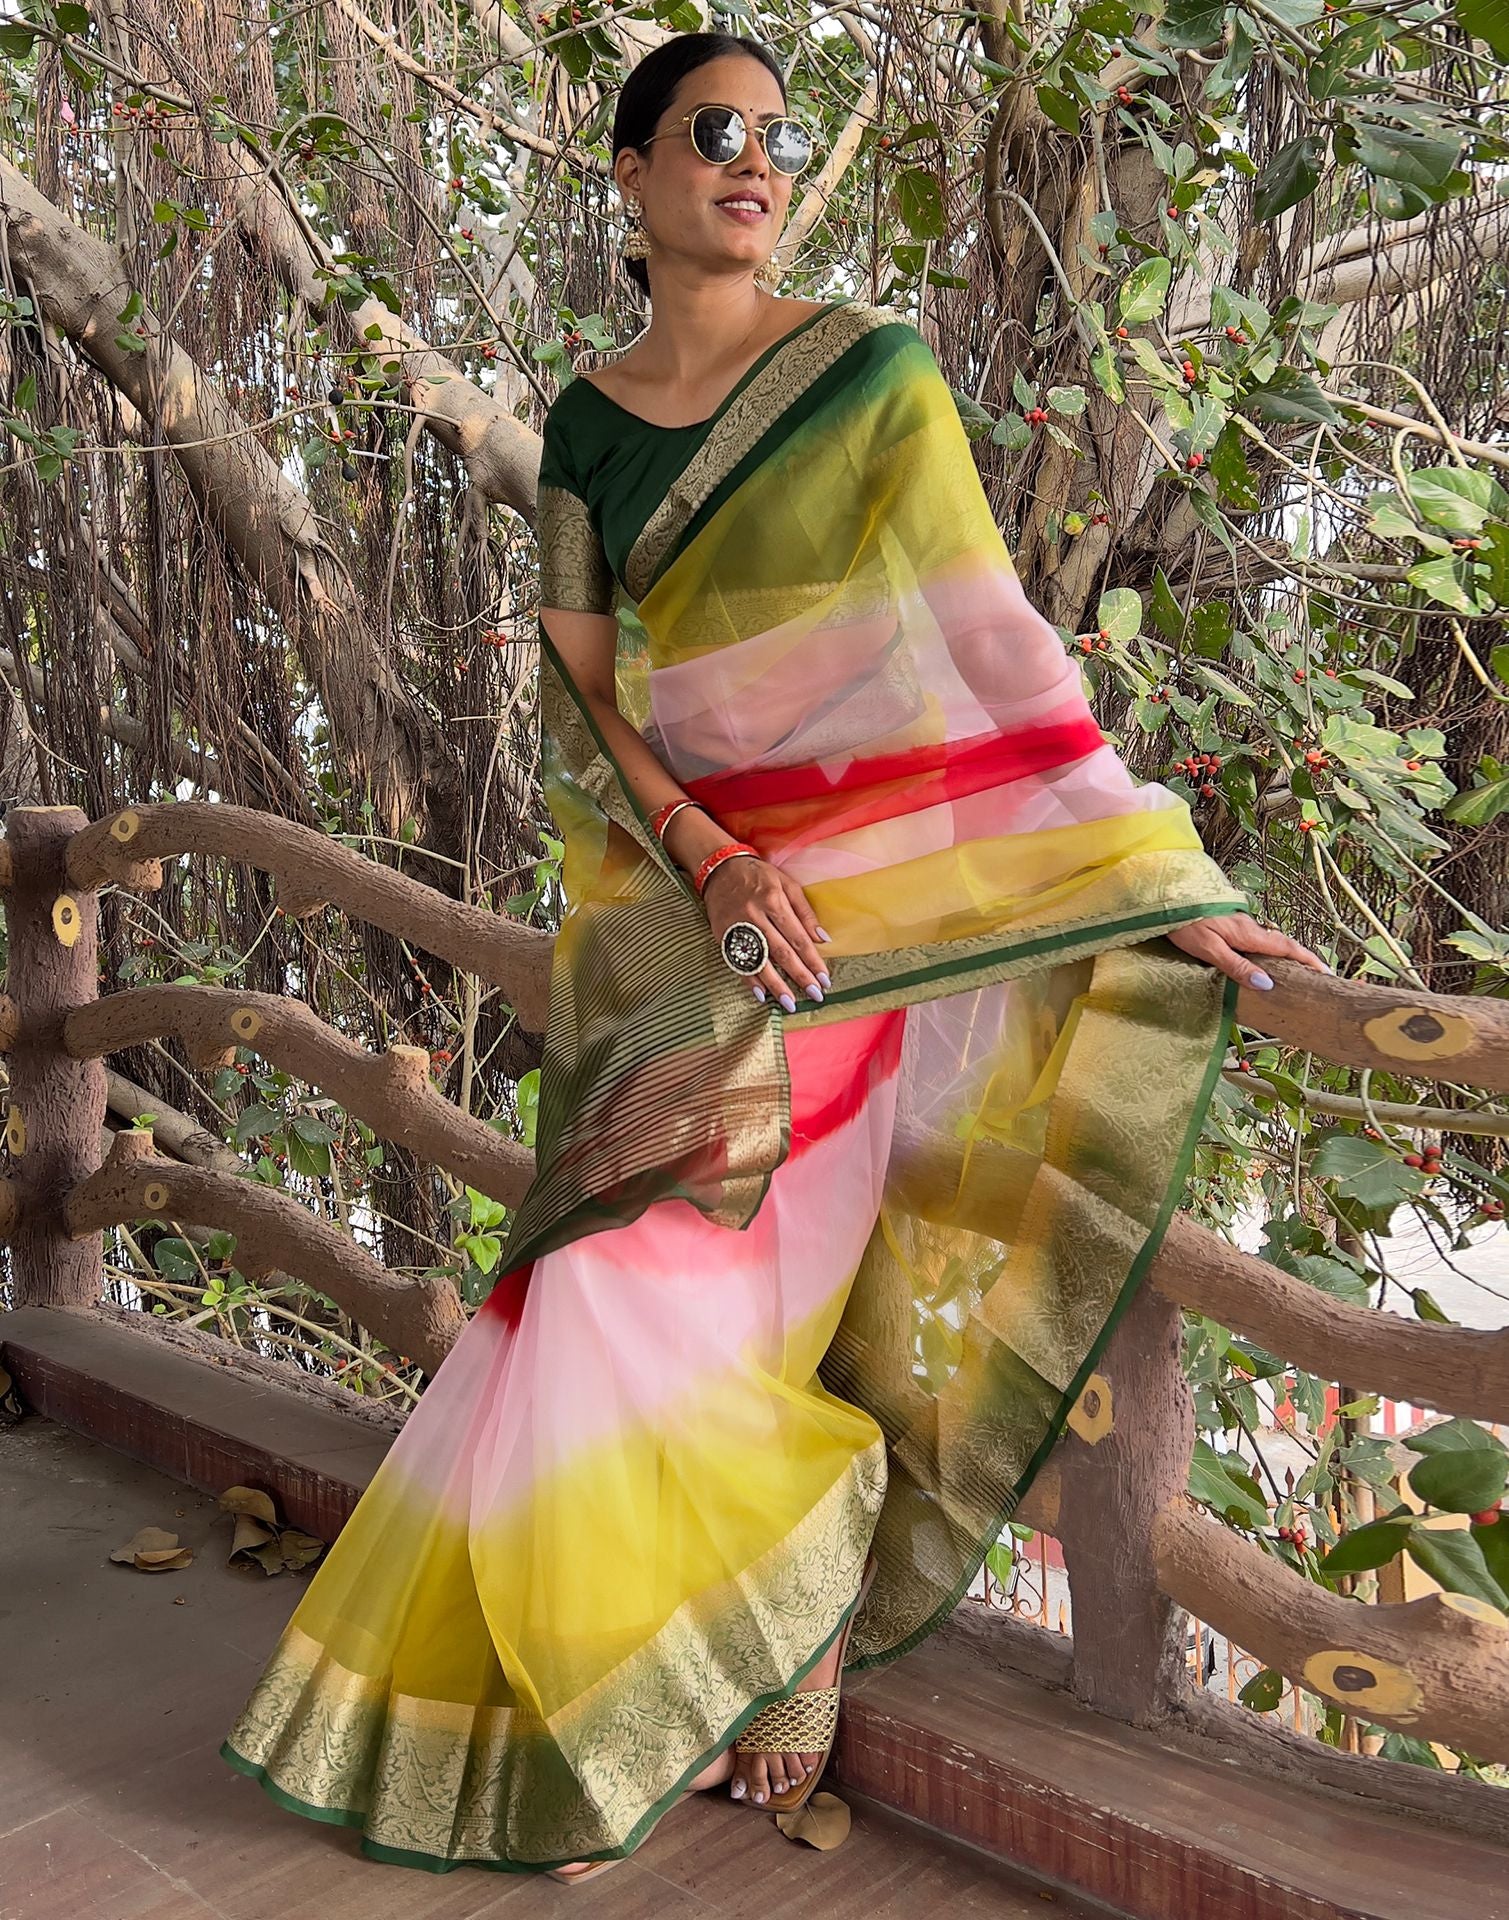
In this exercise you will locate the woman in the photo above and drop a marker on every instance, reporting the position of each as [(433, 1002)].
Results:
[(872, 1077)]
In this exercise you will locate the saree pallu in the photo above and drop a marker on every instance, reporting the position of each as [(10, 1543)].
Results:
[(786, 1288)]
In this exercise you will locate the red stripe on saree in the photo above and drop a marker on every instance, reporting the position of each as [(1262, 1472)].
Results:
[(790, 804)]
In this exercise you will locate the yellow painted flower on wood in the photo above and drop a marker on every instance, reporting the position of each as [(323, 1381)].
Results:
[(1090, 1416), (1476, 1610), (1361, 1681)]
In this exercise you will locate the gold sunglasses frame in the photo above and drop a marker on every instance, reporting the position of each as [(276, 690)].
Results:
[(759, 132)]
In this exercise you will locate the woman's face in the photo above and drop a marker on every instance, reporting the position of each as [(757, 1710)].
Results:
[(687, 201)]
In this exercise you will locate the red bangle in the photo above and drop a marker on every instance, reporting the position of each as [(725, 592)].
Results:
[(716, 858), (660, 819)]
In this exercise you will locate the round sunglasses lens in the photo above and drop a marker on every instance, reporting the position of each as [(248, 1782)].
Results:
[(788, 145), (718, 134)]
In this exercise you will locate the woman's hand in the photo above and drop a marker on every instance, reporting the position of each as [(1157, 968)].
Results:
[(754, 890), (1222, 941)]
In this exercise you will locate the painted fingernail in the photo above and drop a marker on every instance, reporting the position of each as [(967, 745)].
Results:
[(814, 992), (759, 1799), (1327, 966), (821, 935), (822, 975), (736, 1791), (759, 994), (788, 1001), (1261, 981)]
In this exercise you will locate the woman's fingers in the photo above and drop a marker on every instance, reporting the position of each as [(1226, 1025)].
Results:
[(1222, 943), (760, 896)]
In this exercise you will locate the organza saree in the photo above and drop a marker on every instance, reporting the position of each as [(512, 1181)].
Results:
[(786, 1288)]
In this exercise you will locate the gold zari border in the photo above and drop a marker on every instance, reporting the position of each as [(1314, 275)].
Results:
[(488, 1783)]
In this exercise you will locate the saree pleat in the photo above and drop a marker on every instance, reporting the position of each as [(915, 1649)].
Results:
[(786, 1288)]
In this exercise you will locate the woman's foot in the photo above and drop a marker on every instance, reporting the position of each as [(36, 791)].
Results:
[(756, 1776)]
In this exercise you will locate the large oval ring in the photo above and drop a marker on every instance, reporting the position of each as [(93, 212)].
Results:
[(745, 948)]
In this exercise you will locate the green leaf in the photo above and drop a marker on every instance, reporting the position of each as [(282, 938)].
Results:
[(1234, 479), (1364, 1548), (1060, 108), (1120, 614), (1071, 400), (1444, 582), (919, 199), (575, 55), (1367, 1171), (1290, 176), (310, 1158), (1224, 1488), (1426, 1308), (1454, 1560), (1263, 1691), (71, 17), (1012, 431), (1291, 395), (1477, 806), (1493, 1544), (1486, 20), (1144, 291), (256, 1123), (17, 41), (1457, 499), (1456, 1436), (1189, 25), (1103, 365), (174, 1259), (1463, 1482), (1406, 1748), (1394, 153), (1168, 615)]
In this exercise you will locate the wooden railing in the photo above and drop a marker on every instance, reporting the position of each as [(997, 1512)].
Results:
[(1138, 1552)]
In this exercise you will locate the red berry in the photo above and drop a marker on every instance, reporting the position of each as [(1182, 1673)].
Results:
[(1299, 673), (1488, 1517), (1124, 95), (1413, 766), (1207, 789), (1195, 460), (1122, 334), (1413, 1160), (1086, 644)]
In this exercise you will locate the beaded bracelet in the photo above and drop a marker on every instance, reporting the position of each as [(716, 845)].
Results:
[(733, 851)]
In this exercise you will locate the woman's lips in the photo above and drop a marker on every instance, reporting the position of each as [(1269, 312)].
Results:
[(747, 216)]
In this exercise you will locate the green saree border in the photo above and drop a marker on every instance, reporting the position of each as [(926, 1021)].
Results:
[(437, 1863), (767, 414), (1135, 1275)]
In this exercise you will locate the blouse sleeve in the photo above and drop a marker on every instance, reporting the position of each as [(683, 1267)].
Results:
[(574, 571)]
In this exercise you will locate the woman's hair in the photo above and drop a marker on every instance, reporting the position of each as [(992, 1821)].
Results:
[(651, 87)]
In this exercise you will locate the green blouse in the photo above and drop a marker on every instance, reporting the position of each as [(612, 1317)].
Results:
[(603, 472)]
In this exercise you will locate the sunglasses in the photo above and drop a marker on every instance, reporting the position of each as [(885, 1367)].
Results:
[(719, 133)]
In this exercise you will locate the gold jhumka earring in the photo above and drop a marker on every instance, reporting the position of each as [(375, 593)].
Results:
[(636, 242)]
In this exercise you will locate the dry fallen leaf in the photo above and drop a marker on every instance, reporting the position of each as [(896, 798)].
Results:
[(154, 1551), (250, 1533), (822, 1822), (250, 1500), (299, 1549)]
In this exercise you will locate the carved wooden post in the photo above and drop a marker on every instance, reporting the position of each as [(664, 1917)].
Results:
[(1125, 1455), (56, 1104)]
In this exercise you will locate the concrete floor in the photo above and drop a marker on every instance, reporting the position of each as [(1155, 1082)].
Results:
[(116, 1688)]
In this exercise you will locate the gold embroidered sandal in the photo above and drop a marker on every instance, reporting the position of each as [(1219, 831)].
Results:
[(802, 1722)]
